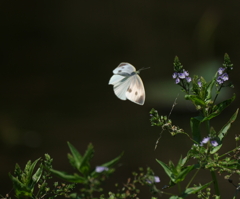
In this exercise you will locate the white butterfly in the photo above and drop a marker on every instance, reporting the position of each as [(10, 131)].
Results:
[(127, 84)]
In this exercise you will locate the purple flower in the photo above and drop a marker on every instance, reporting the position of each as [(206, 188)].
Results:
[(214, 143), (199, 83), (222, 78), (225, 77), (219, 80), (177, 80), (153, 179), (186, 73), (204, 141), (220, 70), (181, 75), (100, 169), (156, 179), (174, 75), (189, 79)]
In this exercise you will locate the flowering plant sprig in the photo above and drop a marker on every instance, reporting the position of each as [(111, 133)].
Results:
[(205, 143)]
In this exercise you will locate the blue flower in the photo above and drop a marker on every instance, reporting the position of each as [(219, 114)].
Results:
[(189, 79), (181, 75), (220, 70), (204, 141), (177, 80), (153, 179), (100, 169), (225, 77), (174, 75), (214, 143), (199, 83), (222, 78)]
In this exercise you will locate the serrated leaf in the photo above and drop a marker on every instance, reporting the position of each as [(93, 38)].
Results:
[(223, 132)]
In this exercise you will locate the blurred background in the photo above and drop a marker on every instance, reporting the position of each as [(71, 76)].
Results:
[(57, 57)]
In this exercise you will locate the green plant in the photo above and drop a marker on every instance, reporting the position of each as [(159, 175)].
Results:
[(204, 151)]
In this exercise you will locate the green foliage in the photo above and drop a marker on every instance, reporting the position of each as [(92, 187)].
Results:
[(204, 152), (30, 184), (86, 180), (87, 177)]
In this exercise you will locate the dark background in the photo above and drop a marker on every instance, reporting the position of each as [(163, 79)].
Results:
[(57, 57)]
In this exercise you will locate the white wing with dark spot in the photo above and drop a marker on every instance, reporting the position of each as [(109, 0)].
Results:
[(127, 84), (135, 91), (124, 69)]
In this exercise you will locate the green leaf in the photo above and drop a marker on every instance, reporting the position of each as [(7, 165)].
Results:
[(167, 170), (21, 189), (84, 164), (181, 176), (76, 157), (36, 177), (217, 109), (215, 149), (193, 190), (209, 88), (174, 197), (195, 127), (223, 132), (70, 178), (195, 99)]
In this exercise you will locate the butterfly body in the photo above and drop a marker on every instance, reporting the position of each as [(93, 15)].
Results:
[(127, 84)]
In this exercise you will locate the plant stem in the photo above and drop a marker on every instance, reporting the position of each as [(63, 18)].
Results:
[(215, 183), (192, 178), (179, 187)]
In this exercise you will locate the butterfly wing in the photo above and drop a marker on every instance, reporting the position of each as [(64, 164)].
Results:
[(116, 79), (124, 69), (135, 91), (120, 88)]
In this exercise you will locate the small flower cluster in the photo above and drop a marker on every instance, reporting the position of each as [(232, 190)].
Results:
[(222, 77), (207, 139), (183, 75)]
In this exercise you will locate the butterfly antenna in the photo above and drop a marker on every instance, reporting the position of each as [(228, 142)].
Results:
[(143, 69)]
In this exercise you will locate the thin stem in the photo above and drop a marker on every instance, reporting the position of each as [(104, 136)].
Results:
[(215, 183), (179, 187), (192, 178), (217, 94)]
